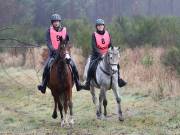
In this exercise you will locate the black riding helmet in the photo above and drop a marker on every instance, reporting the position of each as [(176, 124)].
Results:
[(100, 22), (55, 17)]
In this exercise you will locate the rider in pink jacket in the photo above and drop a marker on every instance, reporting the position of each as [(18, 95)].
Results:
[(101, 42), (53, 36)]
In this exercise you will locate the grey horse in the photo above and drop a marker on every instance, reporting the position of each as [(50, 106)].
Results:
[(106, 79)]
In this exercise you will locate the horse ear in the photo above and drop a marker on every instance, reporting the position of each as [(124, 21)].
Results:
[(70, 45), (61, 39)]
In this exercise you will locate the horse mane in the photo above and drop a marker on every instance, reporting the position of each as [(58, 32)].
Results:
[(62, 66), (106, 56), (62, 69)]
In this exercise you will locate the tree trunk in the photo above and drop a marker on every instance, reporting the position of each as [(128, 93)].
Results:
[(149, 7), (171, 7)]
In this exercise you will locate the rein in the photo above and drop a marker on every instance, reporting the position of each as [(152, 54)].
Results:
[(105, 72), (108, 74)]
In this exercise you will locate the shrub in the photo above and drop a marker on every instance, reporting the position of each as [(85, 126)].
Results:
[(147, 60), (80, 33), (172, 58)]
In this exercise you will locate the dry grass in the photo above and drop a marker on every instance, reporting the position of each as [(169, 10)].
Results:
[(154, 78), (10, 60), (141, 67), (24, 110), (36, 57), (150, 102)]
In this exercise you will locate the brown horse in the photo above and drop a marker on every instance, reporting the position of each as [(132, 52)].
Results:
[(61, 83)]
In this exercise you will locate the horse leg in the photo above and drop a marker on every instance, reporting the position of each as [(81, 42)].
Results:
[(63, 105), (118, 100), (101, 98), (54, 115), (60, 108), (105, 105), (71, 121), (94, 98), (65, 111)]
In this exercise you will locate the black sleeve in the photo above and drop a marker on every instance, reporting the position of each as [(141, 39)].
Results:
[(95, 50), (110, 44), (48, 40), (67, 38)]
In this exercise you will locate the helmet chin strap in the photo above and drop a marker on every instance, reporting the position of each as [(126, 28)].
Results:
[(101, 32), (57, 28)]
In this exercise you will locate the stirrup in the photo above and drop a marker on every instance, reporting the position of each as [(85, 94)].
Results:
[(42, 89)]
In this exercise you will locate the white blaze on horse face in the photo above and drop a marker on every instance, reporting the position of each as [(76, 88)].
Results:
[(67, 56), (114, 68)]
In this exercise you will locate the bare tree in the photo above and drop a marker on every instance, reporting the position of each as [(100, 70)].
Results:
[(71, 13), (135, 7), (149, 7), (171, 7)]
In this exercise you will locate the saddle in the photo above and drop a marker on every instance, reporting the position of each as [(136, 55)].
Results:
[(50, 63), (93, 67)]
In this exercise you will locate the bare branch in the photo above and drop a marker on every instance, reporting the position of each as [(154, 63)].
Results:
[(6, 28), (21, 42), (18, 46)]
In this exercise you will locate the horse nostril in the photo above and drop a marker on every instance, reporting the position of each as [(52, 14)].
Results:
[(68, 61)]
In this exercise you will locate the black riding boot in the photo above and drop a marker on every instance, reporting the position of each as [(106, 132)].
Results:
[(46, 74), (75, 75), (45, 80), (121, 82), (93, 62), (42, 87), (86, 86)]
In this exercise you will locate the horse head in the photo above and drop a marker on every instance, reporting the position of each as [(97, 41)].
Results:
[(64, 50), (112, 59)]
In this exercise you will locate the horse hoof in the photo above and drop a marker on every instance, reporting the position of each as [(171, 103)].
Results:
[(54, 115), (71, 122), (121, 118), (105, 117), (62, 124), (99, 117), (67, 125)]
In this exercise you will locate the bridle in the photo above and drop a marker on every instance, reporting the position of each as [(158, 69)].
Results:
[(66, 54), (111, 72)]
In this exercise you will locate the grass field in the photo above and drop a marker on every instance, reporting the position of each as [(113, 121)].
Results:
[(24, 110)]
